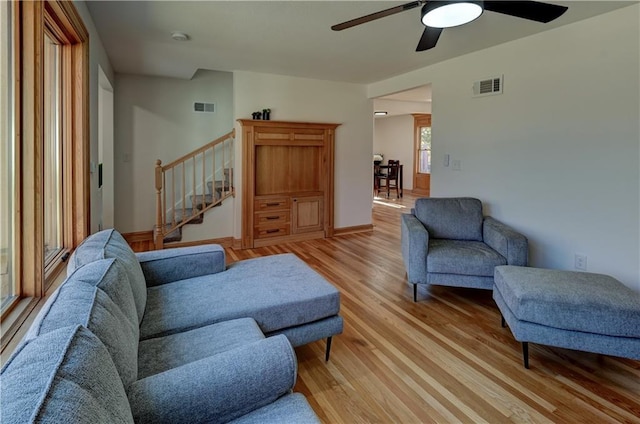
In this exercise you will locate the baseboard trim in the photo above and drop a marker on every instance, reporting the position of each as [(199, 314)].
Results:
[(224, 242), (352, 230), (138, 236)]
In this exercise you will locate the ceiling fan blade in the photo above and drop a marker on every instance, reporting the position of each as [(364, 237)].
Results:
[(532, 10), (429, 38), (377, 15)]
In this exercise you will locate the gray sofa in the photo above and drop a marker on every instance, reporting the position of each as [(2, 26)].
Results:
[(169, 336), (448, 241)]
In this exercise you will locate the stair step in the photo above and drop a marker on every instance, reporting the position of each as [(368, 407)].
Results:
[(187, 215), (175, 235), (219, 185), (208, 199)]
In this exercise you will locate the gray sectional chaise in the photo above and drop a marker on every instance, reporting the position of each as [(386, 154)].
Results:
[(171, 336)]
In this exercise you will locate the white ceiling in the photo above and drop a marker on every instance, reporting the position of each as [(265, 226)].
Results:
[(294, 37)]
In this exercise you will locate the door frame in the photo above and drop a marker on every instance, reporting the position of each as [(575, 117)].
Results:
[(419, 120)]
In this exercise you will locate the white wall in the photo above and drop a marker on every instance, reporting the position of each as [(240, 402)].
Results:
[(393, 138), (558, 154), (155, 119), (302, 99), (97, 58)]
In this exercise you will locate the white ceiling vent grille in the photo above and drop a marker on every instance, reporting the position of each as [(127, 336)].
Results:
[(204, 107), (488, 87)]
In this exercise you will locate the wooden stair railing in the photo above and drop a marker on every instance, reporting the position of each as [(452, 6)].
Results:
[(181, 184)]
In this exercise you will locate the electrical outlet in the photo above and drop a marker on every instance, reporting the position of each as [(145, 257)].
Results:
[(456, 165), (580, 262)]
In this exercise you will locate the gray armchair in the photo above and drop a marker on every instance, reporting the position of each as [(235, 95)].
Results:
[(447, 241)]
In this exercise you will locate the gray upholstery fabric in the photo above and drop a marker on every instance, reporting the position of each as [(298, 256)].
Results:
[(462, 257), (307, 333), (292, 408), (228, 385), (570, 300), (164, 266), (80, 303), (65, 376), (458, 218), (507, 242), (277, 291), (524, 331), (163, 353), (440, 244), (110, 244), (415, 244), (457, 280)]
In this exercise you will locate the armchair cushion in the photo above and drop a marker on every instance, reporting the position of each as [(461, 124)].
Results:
[(462, 258), (451, 218), (165, 266), (229, 385)]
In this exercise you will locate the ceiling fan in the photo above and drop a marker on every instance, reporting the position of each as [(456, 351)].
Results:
[(437, 15)]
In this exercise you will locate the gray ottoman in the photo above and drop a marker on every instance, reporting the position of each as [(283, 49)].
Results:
[(574, 310)]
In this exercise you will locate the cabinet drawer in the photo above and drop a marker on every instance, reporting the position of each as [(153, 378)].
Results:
[(271, 231), (274, 217), (272, 204)]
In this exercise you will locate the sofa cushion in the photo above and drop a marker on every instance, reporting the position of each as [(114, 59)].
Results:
[(81, 301), (462, 258), (451, 218), (277, 291), (163, 353), (110, 244), (291, 408), (65, 376), (570, 300)]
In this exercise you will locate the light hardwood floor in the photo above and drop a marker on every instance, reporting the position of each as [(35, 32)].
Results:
[(443, 359)]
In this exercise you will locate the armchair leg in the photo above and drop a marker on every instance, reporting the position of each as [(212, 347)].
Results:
[(415, 292), (328, 351), (525, 354)]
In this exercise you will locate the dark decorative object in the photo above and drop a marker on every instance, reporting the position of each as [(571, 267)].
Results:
[(266, 114), (257, 115)]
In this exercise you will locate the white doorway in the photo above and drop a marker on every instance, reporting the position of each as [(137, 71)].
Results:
[(394, 133)]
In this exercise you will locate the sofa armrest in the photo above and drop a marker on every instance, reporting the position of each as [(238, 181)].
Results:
[(218, 388), (168, 265), (415, 246), (506, 241)]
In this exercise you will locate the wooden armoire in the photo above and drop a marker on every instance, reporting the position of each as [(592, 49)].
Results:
[(287, 191)]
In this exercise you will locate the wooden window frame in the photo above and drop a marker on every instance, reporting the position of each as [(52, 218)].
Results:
[(31, 20)]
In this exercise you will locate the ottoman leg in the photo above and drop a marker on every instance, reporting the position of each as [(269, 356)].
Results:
[(525, 354), (415, 292), (503, 323), (328, 351)]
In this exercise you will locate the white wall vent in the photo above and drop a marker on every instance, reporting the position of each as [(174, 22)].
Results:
[(488, 86), (204, 107)]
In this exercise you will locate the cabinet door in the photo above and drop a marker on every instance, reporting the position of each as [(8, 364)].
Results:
[(307, 214)]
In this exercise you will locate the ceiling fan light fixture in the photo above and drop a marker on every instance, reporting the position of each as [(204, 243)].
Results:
[(446, 14)]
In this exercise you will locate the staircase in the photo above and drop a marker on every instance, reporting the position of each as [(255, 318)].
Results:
[(191, 185)]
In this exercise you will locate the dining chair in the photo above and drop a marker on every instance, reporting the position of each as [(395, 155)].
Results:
[(390, 178)]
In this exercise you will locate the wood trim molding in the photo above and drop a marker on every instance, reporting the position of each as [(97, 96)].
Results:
[(352, 230), (138, 236)]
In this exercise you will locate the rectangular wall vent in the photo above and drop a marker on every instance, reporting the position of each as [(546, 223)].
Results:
[(203, 107), (488, 86)]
